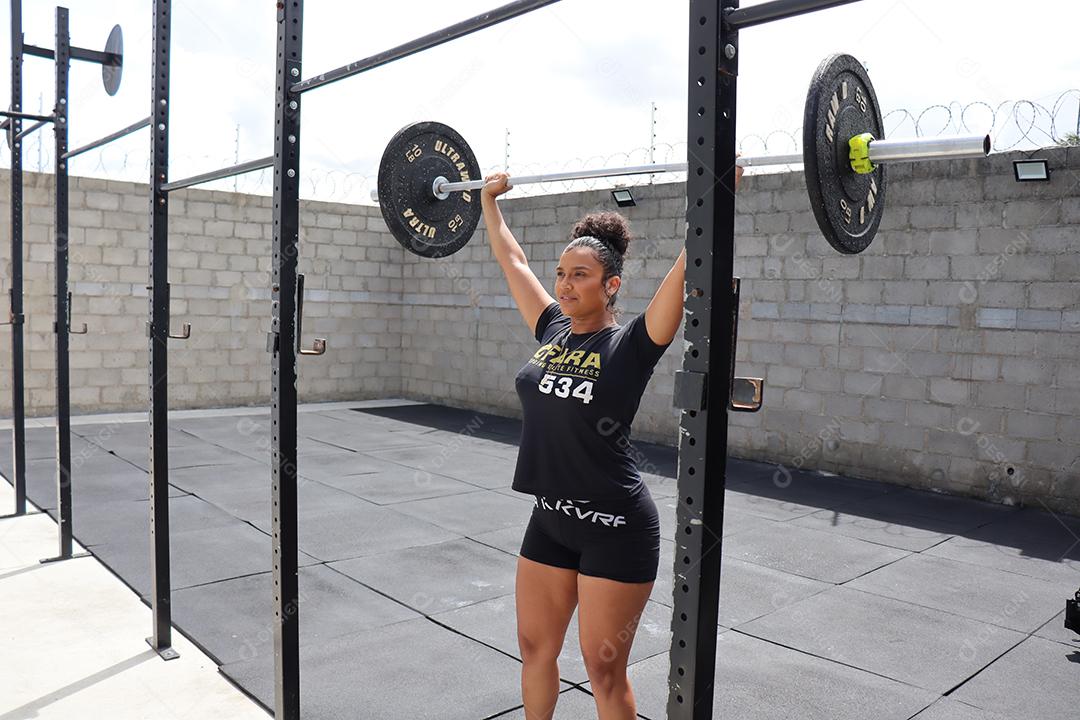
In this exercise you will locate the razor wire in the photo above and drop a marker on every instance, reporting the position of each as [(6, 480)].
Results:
[(1013, 125)]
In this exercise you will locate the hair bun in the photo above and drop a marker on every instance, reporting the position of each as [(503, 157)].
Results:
[(611, 228)]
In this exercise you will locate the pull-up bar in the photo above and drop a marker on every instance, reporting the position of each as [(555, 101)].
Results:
[(461, 29), (145, 122), (244, 167), (27, 116), (776, 10)]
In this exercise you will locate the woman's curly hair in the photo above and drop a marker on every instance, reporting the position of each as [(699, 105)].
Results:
[(608, 235)]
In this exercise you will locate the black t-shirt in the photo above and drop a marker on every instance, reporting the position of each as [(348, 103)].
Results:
[(579, 395)]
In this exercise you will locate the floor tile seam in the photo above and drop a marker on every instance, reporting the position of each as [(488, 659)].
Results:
[(991, 567), (900, 515), (972, 676), (435, 622), (829, 586), (480, 542), (1074, 648), (242, 576), (412, 547), (833, 662), (847, 537), (330, 565), (867, 540), (247, 693), (173, 532), (775, 569), (473, 604), (413, 468), (950, 612), (220, 447), (390, 506)]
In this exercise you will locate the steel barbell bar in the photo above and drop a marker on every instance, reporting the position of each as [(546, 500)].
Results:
[(881, 151)]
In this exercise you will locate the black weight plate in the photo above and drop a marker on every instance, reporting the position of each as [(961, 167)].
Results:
[(422, 223), (841, 104), (111, 72)]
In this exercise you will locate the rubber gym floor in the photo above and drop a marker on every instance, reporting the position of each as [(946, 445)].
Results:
[(841, 598)]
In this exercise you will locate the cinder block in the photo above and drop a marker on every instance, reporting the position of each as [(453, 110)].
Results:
[(824, 381), (932, 216), (1025, 213), (782, 376), (885, 409), (905, 388), (882, 268), (1027, 371), (1055, 454), (929, 415), (864, 292), (999, 240), (863, 384), (1001, 395), (1031, 425), (1002, 318), (860, 431), (1049, 320), (949, 391), (950, 243), (102, 201), (1057, 295)]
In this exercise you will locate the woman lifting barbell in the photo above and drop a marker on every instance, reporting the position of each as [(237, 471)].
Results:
[(593, 540)]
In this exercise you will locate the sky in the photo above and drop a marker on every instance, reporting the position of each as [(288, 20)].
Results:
[(573, 83)]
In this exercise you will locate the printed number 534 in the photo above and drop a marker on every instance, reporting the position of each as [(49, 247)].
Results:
[(561, 386)]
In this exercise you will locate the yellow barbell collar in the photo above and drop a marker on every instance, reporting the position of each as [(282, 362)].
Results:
[(859, 153)]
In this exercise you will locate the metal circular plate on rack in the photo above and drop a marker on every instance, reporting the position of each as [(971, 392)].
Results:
[(841, 104), (112, 71), (422, 223)]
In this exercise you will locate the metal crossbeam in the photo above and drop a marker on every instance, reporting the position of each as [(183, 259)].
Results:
[(244, 167), (737, 19), (26, 116), (145, 122), (439, 37)]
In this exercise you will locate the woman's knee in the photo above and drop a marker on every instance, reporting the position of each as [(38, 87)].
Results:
[(539, 647), (606, 667)]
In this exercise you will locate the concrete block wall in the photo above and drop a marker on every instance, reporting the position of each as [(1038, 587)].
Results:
[(946, 356), (219, 255)]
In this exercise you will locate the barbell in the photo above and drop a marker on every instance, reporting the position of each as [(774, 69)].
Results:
[(428, 172)]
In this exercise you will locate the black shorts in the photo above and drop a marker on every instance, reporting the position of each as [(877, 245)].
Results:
[(617, 540)]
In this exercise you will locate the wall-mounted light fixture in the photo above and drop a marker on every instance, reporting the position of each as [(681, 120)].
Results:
[(623, 197), (1031, 170)]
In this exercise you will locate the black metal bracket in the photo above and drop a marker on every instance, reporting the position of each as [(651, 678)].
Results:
[(82, 330), (185, 328), (61, 557), (319, 345), (165, 653), (691, 390), (14, 318), (745, 393)]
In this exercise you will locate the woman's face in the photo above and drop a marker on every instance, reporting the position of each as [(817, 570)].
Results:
[(578, 283)]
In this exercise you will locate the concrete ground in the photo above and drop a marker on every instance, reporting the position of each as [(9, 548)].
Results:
[(841, 599), (72, 641)]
